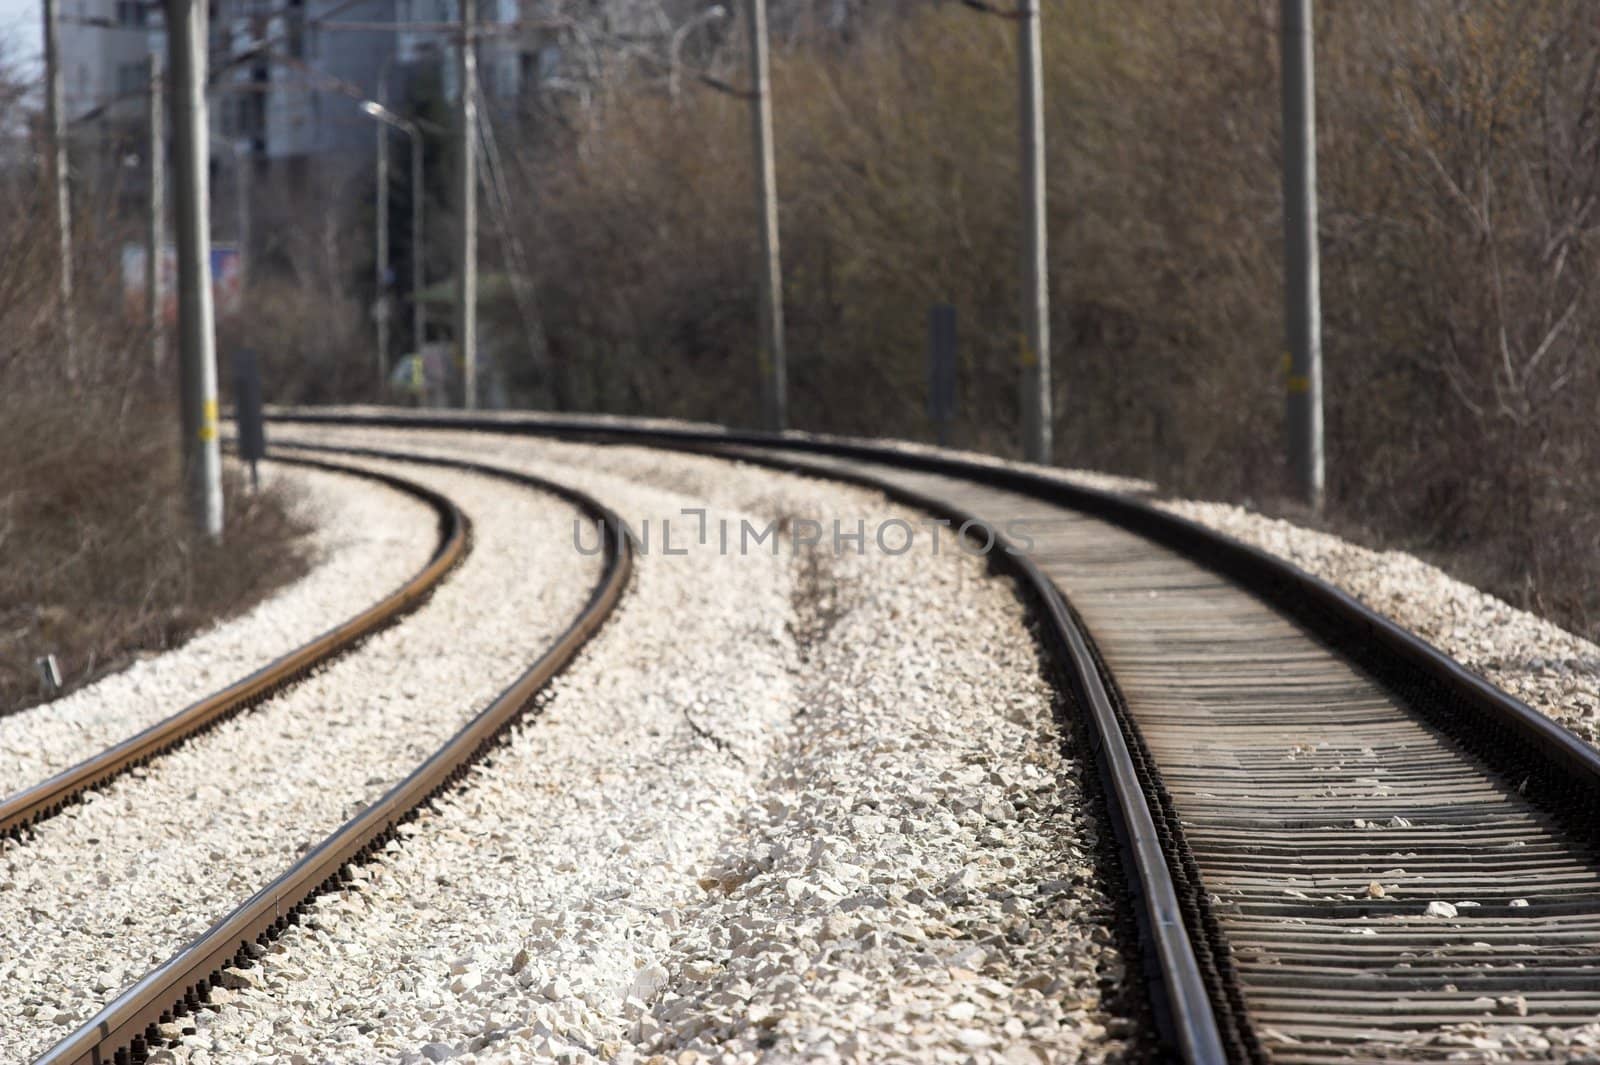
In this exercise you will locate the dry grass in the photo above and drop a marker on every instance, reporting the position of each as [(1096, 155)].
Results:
[(96, 562), (99, 562)]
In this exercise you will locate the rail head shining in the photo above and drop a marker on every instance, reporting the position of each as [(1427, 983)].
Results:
[(1180, 1000), (1560, 772), (31, 805), (123, 1030)]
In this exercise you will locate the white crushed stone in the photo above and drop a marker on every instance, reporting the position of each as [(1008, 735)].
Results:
[(1490, 1042), (882, 852), (168, 849), (1550, 669), (367, 539)]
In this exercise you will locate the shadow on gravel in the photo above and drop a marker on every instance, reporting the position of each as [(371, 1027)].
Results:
[(818, 598)]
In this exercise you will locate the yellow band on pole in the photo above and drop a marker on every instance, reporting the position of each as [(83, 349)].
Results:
[(1025, 356), (208, 421)]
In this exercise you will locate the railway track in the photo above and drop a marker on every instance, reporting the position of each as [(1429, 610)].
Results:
[(27, 807), (1341, 845), (127, 1028), (1314, 814)]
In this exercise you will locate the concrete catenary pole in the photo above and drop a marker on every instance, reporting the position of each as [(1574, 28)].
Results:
[(56, 117), (1302, 297), (771, 363), (1036, 397), (155, 205), (467, 257), (382, 266), (202, 460)]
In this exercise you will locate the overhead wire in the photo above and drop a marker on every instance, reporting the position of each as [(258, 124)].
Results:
[(500, 206)]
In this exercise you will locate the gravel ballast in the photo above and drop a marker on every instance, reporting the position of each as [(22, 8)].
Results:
[(368, 538), (164, 851), (803, 806), (1554, 671)]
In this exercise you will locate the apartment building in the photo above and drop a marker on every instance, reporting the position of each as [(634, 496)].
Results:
[(285, 84), (296, 90), (289, 75), (104, 52)]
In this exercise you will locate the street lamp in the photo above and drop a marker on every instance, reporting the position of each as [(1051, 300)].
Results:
[(710, 14), (410, 129)]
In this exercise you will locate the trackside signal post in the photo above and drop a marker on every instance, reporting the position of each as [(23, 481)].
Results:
[(247, 411)]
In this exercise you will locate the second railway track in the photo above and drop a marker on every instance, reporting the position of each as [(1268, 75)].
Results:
[(22, 809), (145, 1014), (1341, 846)]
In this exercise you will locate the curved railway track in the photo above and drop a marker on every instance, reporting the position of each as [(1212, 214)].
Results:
[(45, 799), (1341, 845), (126, 1029)]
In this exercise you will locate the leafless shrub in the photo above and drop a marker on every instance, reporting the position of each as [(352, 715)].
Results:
[(96, 559), (1460, 155)]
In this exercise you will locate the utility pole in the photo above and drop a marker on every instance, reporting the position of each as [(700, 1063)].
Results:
[(1302, 296), (55, 108), (153, 231), (418, 195), (380, 305), (202, 459), (1035, 335), (771, 363), (467, 264)]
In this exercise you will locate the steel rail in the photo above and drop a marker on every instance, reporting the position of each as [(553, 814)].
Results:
[(48, 797), (1390, 651), (123, 1031), (1559, 772), (1179, 996)]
